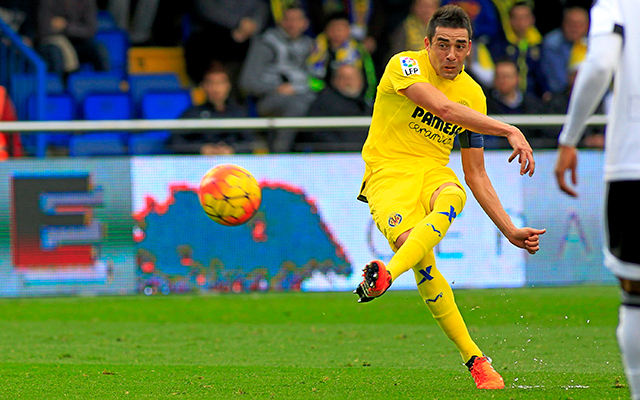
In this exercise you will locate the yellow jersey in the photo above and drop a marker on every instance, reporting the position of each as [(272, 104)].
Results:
[(404, 135)]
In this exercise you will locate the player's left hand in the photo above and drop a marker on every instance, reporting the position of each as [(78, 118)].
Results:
[(567, 161), (527, 238), (522, 150)]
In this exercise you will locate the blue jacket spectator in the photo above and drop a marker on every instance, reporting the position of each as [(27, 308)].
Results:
[(564, 47)]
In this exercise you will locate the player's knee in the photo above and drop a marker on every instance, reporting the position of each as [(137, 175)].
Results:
[(630, 293), (455, 191)]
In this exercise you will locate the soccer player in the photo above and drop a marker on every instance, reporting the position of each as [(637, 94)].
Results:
[(614, 47), (424, 101)]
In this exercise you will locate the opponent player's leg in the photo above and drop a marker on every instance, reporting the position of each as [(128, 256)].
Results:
[(627, 333), (438, 296), (622, 257)]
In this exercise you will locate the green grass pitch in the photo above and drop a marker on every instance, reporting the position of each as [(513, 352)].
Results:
[(548, 343)]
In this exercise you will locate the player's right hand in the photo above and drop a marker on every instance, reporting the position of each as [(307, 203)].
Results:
[(522, 150), (527, 238)]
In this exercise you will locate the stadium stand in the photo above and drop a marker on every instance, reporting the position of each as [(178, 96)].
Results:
[(141, 84), (116, 41), (158, 105), (102, 106)]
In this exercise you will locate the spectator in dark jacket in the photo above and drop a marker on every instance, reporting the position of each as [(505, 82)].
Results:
[(507, 98), (344, 97), (219, 104), (66, 30), (222, 30)]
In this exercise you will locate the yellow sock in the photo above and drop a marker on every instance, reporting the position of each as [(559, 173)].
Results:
[(438, 296), (428, 232)]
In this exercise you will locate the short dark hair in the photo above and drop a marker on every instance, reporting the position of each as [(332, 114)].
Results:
[(336, 16), (449, 16), (216, 67), (507, 60), (523, 3)]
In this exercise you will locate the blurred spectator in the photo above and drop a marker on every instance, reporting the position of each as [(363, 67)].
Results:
[(336, 46), (411, 33), (486, 16), (507, 98), (66, 30), (343, 98), (136, 17), (275, 73), (558, 103), (366, 17), (221, 30), (565, 46), (479, 65), (10, 145), (521, 42), (219, 104), (20, 16)]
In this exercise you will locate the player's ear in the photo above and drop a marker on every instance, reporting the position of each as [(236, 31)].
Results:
[(469, 48), (426, 43)]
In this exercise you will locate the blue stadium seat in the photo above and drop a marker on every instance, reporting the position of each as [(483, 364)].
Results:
[(102, 106), (145, 83), (106, 21), (165, 105), (107, 106), (116, 41), (82, 83), (96, 144), (57, 107), (24, 87), (159, 105)]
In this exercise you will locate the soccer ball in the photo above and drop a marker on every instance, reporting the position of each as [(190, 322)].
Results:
[(229, 194)]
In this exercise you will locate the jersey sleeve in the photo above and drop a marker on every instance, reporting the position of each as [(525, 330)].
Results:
[(605, 18), (403, 70)]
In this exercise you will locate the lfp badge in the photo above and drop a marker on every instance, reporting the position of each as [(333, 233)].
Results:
[(409, 66)]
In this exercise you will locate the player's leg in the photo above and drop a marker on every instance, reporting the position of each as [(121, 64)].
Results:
[(447, 204), (413, 245), (622, 257), (438, 296)]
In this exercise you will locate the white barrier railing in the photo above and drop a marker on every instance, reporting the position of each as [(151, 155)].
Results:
[(248, 123)]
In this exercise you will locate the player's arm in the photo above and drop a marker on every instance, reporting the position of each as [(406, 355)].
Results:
[(478, 181), (591, 83), (429, 97)]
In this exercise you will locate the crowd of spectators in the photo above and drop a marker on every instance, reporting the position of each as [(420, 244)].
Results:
[(296, 58)]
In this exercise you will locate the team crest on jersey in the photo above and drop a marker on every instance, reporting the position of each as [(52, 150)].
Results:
[(395, 220), (409, 66)]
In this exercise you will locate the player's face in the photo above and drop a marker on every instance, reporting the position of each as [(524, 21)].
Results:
[(447, 50)]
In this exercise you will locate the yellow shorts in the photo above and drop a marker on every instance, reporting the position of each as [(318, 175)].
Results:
[(399, 199)]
